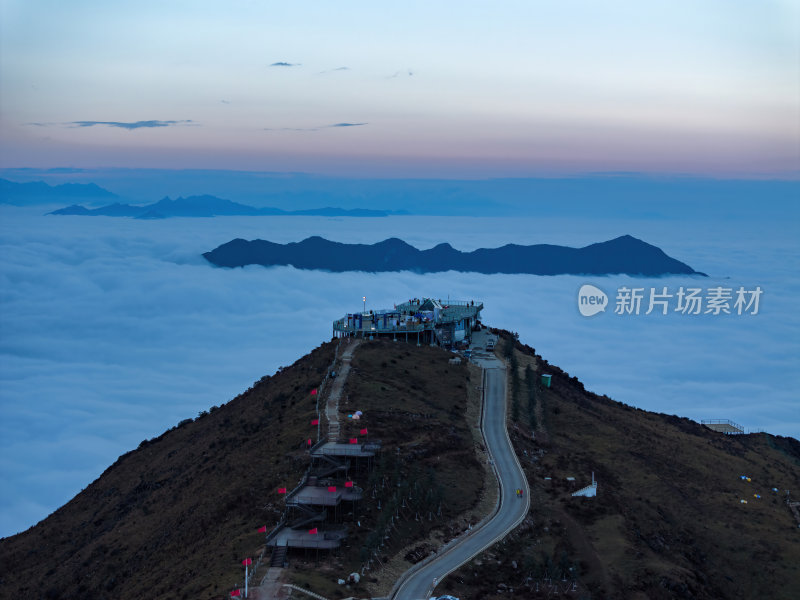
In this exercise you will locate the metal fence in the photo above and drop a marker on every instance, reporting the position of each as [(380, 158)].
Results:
[(728, 426)]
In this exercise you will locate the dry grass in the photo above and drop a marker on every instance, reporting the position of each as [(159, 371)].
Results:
[(424, 411), (179, 513), (667, 522)]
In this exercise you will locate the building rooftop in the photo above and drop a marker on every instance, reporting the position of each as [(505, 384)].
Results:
[(318, 495), (443, 321), (326, 538), (362, 450)]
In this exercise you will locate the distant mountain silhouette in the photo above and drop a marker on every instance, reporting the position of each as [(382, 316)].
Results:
[(38, 192), (207, 206), (624, 254)]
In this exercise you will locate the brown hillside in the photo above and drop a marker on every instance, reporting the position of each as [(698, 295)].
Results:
[(427, 476), (179, 513), (667, 521)]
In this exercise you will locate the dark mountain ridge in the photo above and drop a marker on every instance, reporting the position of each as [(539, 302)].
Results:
[(624, 254), (206, 206), (39, 192)]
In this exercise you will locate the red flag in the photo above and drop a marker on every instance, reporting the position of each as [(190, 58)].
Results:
[(262, 529), (314, 392), (315, 421), (313, 530), (309, 441), (353, 440), (364, 431), (236, 594), (281, 490), (247, 561), (331, 488), (348, 484)]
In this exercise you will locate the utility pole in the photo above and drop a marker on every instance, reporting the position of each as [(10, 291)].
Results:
[(246, 562)]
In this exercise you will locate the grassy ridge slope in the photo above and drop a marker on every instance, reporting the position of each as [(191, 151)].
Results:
[(179, 513), (427, 479), (667, 521)]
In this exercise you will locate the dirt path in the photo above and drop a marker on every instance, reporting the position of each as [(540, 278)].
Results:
[(271, 586), (332, 406)]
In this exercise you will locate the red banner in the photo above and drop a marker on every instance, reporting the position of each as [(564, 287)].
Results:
[(247, 561), (313, 530), (348, 484), (314, 392), (236, 594), (315, 421), (353, 440), (331, 488), (364, 431), (281, 490), (262, 529)]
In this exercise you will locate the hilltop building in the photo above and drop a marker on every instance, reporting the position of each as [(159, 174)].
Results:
[(423, 320)]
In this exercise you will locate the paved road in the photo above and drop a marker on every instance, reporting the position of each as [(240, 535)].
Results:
[(419, 582)]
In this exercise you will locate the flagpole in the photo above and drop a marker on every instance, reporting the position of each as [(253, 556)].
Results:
[(245, 580)]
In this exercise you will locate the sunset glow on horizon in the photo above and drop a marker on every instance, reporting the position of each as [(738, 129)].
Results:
[(444, 90)]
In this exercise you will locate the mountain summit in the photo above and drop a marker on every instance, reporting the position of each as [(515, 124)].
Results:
[(680, 511)]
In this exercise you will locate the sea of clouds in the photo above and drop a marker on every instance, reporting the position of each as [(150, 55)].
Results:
[(113, 330)]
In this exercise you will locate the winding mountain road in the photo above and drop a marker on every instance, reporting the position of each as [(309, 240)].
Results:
[(419, 582)]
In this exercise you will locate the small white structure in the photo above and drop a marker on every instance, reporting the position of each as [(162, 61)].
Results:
[(590, 491)]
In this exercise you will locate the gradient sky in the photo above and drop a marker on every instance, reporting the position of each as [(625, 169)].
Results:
[(446, 89)]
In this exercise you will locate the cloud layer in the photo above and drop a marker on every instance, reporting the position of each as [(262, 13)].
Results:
[(114, 331)]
